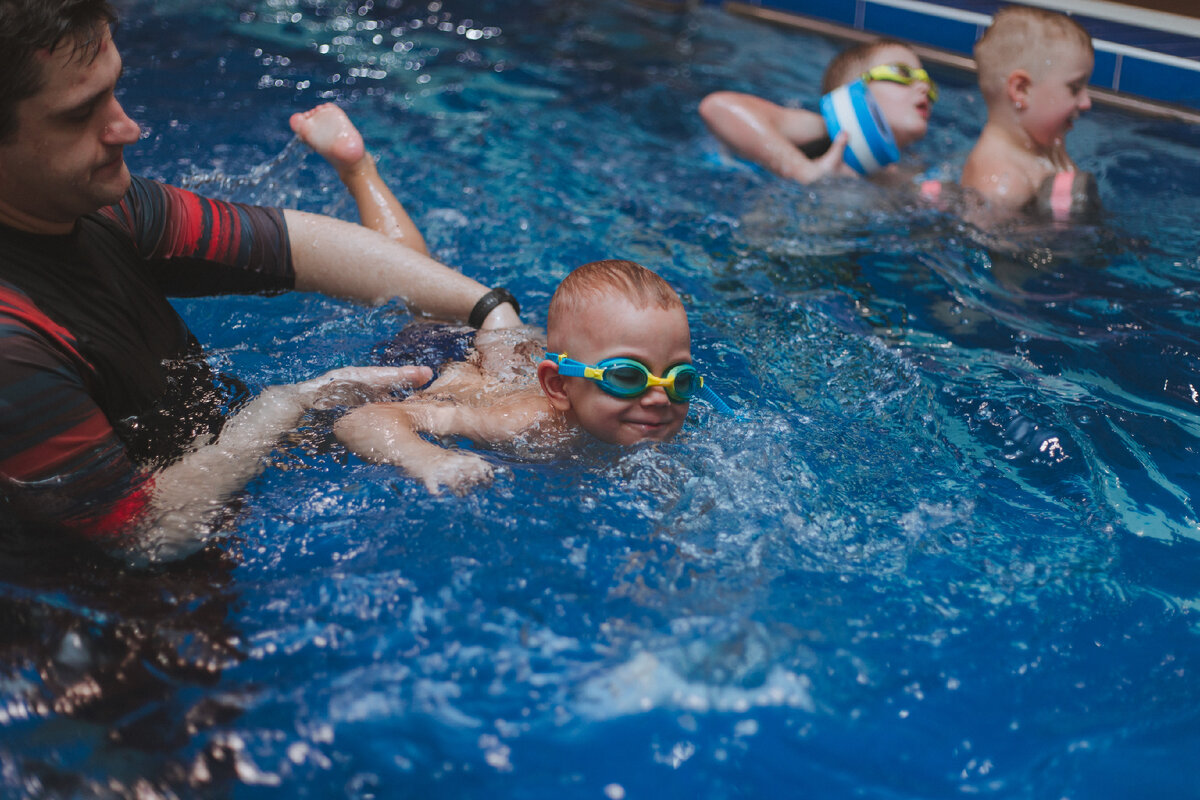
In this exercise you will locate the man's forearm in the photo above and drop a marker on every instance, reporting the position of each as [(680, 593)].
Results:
[(189, 492), (346, 260)]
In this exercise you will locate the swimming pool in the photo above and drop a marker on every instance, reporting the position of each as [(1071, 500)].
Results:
[(953, 551)]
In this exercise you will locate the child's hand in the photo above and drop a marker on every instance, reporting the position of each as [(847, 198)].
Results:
[(457, 470), (833, 162)]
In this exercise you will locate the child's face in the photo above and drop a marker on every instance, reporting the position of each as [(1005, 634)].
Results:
[(1057, 95), (906, 108), (659, 338)]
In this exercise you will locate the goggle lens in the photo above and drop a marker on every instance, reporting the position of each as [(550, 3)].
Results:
[(686, 382), (626, 380)]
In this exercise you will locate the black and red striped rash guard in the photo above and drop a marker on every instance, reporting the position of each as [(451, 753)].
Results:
[(100, 379)]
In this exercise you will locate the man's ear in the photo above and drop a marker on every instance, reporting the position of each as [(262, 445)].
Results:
[(1017, 85), (553, 385)]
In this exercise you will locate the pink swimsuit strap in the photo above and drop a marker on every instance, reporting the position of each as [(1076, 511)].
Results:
[(1061, 196)]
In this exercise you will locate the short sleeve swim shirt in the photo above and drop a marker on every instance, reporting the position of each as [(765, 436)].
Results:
[(100, 378)]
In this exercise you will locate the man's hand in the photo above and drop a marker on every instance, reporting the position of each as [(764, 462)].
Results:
[(187, 493), (351, 386), (502, 316)]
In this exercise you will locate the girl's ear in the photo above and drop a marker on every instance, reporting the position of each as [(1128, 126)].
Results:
[(553, 385), (1018, 84)]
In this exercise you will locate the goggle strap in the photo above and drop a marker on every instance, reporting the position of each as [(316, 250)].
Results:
[(713, 399), (568, 366)]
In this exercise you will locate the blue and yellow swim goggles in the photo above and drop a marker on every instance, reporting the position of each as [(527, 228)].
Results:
[(627, 378), (902, 73)]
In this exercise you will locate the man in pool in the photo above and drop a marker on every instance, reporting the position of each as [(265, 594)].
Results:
[(101, 382), (794, 142), (617, 368)]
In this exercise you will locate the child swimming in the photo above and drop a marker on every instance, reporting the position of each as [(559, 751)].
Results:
[(617, 368), (1033, 67), (617, 365), (795, 143)]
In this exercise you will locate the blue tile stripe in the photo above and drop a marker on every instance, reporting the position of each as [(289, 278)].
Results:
[(1146, 60)]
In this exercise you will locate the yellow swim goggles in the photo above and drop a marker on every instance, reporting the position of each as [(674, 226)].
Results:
[(902, 73), (628, 378)]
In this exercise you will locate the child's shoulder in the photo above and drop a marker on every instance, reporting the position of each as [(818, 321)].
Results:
[(518, 417), (1001, 173)]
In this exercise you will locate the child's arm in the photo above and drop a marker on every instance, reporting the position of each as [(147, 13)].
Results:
[(389, 433), (770, 135)]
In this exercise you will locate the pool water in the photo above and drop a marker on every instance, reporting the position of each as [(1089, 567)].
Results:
[(953, 549)]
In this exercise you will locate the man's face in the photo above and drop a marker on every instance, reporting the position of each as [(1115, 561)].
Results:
[(659, 338), (66, 157)]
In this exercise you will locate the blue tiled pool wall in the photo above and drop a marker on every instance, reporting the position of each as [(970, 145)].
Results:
[(1154, 64)]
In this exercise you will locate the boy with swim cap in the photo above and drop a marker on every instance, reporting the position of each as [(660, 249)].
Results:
[(1033, 67), (794, 143), (617, 367), (617, 364)]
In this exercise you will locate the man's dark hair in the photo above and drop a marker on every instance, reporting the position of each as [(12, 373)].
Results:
[(27, 26)]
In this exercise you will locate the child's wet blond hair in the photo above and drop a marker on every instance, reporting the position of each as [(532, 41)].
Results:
[(852, 62), (1025, 38), (612, 277)]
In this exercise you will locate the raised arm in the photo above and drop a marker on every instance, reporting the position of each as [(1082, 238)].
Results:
[(770, 135), (347, 260)]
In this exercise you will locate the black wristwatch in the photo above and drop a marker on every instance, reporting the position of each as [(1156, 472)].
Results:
[(489, 301)]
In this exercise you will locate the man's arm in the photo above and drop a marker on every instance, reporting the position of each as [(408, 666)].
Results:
[(63, 466), (188, 493), (347, 260), (205, 246), (770, 135)]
